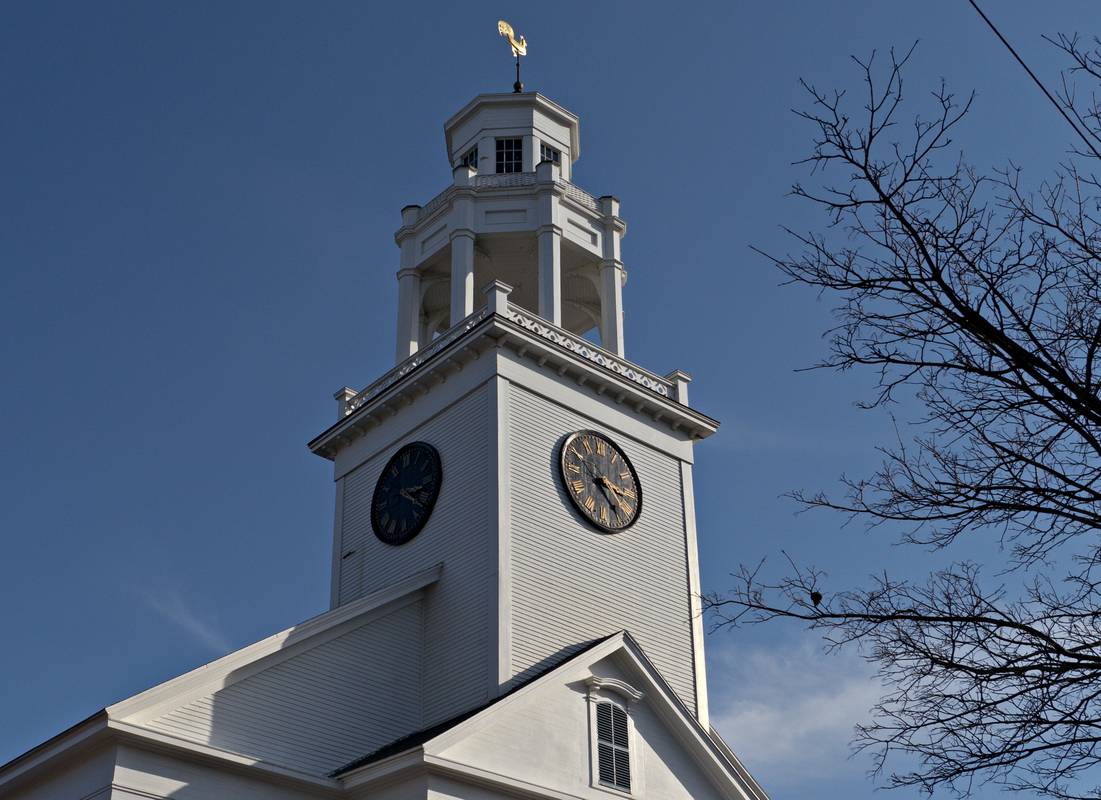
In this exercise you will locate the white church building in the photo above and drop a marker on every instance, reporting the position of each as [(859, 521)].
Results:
[(515, 584)]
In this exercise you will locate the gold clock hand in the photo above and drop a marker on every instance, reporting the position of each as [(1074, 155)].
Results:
[(604, 488), (611, 485), (405, 493)]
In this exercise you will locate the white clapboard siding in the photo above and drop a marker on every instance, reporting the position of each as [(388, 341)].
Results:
[(456, 609), (318, 710), (571, 583)]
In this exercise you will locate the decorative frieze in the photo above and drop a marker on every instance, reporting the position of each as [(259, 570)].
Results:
[(586, 349), (410, 364), (529, 322)]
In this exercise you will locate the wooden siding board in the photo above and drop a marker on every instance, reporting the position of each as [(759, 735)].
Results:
[(457, 610), (321, 708), (571, 583)]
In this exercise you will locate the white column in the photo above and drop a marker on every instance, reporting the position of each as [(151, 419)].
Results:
[(550, 244), (462, 245), (462, 274), (409, 287), (612, 278), (409, 313), (611, 306)]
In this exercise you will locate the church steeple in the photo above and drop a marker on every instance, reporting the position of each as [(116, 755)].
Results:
[(506, 447), (512, 214)]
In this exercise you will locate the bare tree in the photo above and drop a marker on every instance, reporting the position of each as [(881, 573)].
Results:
[(981, 299)]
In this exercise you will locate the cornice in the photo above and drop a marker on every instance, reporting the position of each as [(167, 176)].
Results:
[(531, 338), (533, 99)]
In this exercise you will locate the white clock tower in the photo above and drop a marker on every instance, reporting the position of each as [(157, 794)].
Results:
[(515, 588), (502, 276)]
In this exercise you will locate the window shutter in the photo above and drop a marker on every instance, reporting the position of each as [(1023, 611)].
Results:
[(613, 756)]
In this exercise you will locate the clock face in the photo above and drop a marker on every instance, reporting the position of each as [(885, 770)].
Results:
[(406, 492), (600, 481)]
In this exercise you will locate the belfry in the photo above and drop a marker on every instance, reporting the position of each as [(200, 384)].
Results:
[(515, 588)]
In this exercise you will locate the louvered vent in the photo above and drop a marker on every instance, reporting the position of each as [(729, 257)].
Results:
[(613, 757)]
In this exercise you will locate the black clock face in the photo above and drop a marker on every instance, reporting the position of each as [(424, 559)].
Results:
[(406, 492), (600, 481)]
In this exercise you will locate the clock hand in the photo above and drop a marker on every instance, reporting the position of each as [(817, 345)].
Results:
[(597, 482), (405, 493), (604, 484), (612, 486)]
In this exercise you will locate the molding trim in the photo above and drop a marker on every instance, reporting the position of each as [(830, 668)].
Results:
[(83, 732), (493, 780), (143, 737), (622, 688), (695, 598), (550, 347), (129, 791)]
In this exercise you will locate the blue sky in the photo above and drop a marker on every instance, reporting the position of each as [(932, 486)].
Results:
[(197, 204)]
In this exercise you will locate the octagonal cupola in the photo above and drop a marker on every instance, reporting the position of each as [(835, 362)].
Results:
[(510, 133), (512, 214)]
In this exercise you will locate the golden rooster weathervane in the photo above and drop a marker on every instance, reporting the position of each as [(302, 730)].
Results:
[(519, 48)]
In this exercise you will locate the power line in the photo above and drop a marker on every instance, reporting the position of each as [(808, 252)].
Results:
[(1036, 80)]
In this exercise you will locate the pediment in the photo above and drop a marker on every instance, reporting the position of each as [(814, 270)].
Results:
[(539, 736)]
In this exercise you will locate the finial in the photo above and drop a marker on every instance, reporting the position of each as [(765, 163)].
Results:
[(519, 48)]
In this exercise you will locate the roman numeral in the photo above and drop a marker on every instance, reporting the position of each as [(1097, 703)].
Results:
[(590, 504), (600, 447), (604, 515), (578, 487), (588, 447), (573, 468)]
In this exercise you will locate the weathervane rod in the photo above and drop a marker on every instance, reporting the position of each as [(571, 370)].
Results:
[(519, 48)]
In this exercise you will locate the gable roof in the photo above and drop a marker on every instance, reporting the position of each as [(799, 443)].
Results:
[(420, 737), (129, 716), (260, 655), (710, 751)]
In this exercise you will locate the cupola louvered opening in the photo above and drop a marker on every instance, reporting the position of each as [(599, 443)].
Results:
[(613, 756)]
